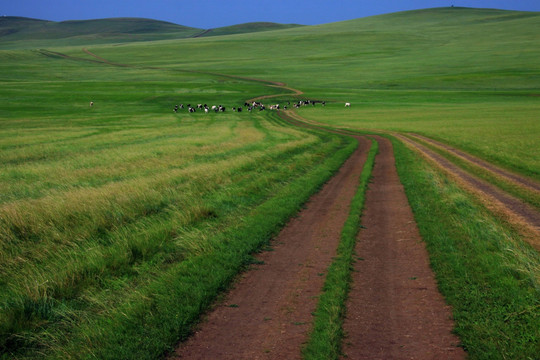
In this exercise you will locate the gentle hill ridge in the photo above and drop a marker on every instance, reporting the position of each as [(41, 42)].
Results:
[(75, 32), (18, 32), (249, 27)]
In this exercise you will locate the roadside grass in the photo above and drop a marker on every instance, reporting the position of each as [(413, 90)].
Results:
[(73, 254), (156, 316), (327, 334), (489, 276)]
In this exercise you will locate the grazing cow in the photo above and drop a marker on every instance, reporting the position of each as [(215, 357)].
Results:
[(91, 103), (239, 109), (191, 110), (206, 110), (347, 104)]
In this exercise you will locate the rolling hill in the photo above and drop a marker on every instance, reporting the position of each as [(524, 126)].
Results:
[(21, 32), (251, 27)]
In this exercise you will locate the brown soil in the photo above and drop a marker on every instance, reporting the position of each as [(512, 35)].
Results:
[(268, 314), (394, 310), (523, 216)]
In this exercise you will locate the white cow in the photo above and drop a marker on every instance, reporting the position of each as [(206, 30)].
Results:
[(347, 104)]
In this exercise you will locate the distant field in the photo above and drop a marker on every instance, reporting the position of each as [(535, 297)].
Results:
[(113, 215), (466, 76), (98, 203)]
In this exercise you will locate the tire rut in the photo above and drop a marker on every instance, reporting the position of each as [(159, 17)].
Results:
[(395, 310), (523, 216), (519, 180), (268, 314)]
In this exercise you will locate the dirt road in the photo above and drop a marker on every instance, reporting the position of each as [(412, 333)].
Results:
[(269, 312), (394, 310)]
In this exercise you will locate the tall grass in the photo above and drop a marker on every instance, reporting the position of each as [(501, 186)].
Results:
[(69, 255)]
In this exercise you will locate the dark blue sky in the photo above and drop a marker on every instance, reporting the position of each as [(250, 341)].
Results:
[(215, 13)]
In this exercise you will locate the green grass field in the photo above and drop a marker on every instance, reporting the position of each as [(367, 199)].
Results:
[(110, 215)]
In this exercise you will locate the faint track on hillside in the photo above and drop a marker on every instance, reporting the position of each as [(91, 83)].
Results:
[(276, 84), (202, 33)]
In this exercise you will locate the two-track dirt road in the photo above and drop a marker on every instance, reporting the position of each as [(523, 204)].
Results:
[(395, 311), (268, 313)]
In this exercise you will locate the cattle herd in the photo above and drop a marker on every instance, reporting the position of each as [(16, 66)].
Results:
[(249, 106)]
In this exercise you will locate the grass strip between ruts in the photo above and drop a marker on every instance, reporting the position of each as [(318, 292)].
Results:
[(175, 301), (326, 336)]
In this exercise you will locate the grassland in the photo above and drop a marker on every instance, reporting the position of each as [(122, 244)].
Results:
[(18, 32), (468, 77), (101, 205), (120, 223)]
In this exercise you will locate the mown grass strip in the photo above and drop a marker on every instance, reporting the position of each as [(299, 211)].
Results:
[(326, 336), (166, 311), (485, 271)]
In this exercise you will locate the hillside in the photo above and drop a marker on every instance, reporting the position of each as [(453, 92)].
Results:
[(21, 32), (251, 27), (443, 48)]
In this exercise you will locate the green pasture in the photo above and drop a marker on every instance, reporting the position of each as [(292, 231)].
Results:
[(469, 77), (98, 204), (120, 223)]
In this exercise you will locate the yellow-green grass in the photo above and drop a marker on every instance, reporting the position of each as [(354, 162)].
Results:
[(98, 204), (84, 242)]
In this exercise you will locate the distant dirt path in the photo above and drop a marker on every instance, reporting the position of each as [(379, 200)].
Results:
[(269, 312), (394, 310), (522, 215), (528, 184)]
